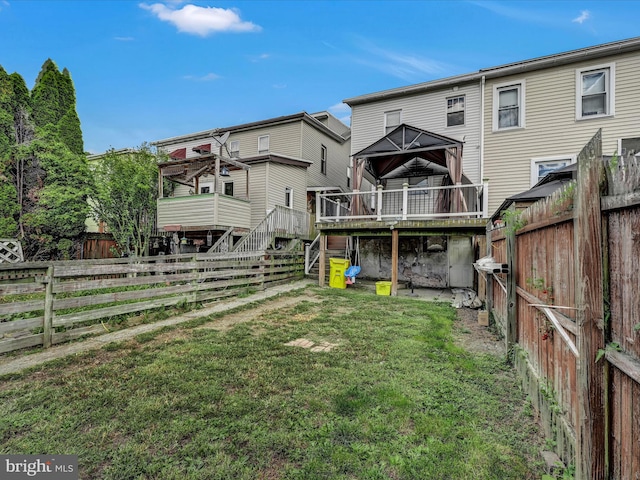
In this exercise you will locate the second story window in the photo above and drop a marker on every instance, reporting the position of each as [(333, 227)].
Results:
[(392, 120), (288, 197), (508, 106), (455, 111), (323, 159), (595, 92), (234, 149), (263, 144)]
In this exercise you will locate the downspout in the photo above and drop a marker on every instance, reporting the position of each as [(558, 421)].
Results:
[(482, 85)]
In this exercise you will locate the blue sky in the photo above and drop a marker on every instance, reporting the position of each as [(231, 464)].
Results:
[(147, 70)]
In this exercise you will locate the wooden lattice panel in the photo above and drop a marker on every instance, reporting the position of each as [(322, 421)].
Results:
[(10, 251)]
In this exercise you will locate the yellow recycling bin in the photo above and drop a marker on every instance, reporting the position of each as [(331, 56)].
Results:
[(336, 272)]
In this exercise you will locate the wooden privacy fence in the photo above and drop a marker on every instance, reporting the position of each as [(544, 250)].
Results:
[(569, 309), (44, 303)]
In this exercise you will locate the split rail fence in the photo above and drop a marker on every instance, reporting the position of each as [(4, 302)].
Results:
[(569, 309), (45, 303)]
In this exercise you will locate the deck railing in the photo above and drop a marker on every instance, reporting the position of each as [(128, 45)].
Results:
[(408, 203), (281, 221)]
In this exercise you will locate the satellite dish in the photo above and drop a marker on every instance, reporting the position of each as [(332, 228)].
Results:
[(221, 139)]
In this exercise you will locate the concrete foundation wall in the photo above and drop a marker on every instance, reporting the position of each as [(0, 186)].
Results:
[(422, 260)]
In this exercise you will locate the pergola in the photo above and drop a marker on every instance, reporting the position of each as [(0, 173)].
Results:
[(408, 151), (188, 171)]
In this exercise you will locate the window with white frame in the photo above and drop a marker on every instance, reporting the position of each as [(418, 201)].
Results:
[(288, 197), (228, 188), (234, 149), (455, 111), (595, 91), (323, 159), (508, 106), (263, 144), (392, 120), (540, 167), (205, 187)]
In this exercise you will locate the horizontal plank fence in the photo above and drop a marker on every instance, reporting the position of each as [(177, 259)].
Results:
[(48, 303), (569, 310)]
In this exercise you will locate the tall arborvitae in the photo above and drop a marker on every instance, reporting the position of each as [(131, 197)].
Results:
[(8, 194), (53, 99), (44, 177)]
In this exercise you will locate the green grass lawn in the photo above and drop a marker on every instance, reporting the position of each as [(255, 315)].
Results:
[(395, 399)]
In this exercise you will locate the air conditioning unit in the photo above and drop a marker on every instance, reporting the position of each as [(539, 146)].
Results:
[(629, 146)]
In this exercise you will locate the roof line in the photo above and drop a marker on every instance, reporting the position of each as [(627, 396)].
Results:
[(572, 56), (304, 116)]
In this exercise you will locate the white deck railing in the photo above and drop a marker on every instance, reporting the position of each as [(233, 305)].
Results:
[(408, 203), (281, 221)]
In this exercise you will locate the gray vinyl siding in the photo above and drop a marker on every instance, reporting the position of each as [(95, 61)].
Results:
[(337, 159), (551, 128), (283, 139), (258, 192), (427, 111), (282, 176)]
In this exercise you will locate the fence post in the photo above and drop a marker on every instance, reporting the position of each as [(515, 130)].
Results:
[(47, 334), (587, 220), (379, 204), (512, 306), (489, 278)]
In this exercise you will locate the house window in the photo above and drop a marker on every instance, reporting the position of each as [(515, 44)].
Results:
[(263, 144), (455, 111), (595, 92), (323, 159), (228, 188), (417, 184), (234, 149), (508, 106), (540, 167), (288, 197), (205, 187), (392, 120)]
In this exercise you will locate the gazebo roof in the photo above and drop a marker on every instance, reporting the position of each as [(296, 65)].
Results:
[(407, 145)]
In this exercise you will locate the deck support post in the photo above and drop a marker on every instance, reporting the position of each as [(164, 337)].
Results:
[(322, 259), (394, 262)]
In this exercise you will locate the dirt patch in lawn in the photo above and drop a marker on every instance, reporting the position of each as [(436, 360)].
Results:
[(473, 337), (276, 305)]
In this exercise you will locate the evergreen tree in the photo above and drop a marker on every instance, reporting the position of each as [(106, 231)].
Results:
[(54, 105)]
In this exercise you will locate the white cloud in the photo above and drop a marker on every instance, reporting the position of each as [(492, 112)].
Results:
[(404, 66), (339, 108), (124, 39), (279, 86), (584, 15), (201, 21), (257, 58), (204, 78)]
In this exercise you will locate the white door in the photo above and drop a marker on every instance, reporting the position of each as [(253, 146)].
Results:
[(460, 262)]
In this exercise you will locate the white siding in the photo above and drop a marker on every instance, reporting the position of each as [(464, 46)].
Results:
[(427, 111), (551, 126)]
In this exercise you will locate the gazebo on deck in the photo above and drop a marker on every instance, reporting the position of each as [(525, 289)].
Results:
[(432, 196)]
